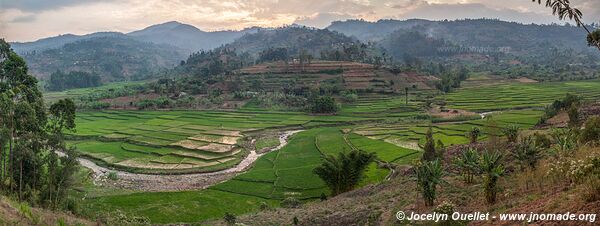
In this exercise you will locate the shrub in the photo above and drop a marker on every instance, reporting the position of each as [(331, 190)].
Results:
[(229, 218), (349, 96), (324, 104), (565, 142), (291, 202), (440, 149), (61, 222), (542, 140), (120, 218), (591, 189), (575, 171), (112, 175), (573, 116), (264, 206), (95, 105), (429, 153), (591, 132), (72, 205), (323, 197), (429, 175), (447, 208), (511, 132), (474, 134)]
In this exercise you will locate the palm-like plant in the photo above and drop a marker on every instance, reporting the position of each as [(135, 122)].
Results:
[(492, 168), (429, 175), (468, 163), (343, 173), (511, 132), (528, 153), (565, 141), (563, 9)]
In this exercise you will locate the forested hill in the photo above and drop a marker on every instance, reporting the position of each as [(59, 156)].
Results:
[(293, 43), (471, 33), (374, 31), (113, 58), (293, 38)]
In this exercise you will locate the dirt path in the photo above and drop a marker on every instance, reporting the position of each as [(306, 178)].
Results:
[(149, 182)]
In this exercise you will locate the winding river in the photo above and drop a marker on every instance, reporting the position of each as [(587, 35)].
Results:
[(152, 182)]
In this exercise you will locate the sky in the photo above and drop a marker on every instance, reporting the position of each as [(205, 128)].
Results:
[(29, 20)]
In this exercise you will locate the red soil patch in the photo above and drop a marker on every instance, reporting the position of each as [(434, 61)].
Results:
[(526, 80), (449, 113)]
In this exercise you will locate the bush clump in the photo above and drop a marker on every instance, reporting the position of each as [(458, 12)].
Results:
[(291, 202)]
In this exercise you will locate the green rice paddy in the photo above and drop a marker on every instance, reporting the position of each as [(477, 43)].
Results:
[(383, 124)]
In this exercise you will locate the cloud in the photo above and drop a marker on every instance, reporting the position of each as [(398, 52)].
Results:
[(321, 20), (407, 4), (41, 5), (591, 10), (23, 19), (474, 10), (26, 20)]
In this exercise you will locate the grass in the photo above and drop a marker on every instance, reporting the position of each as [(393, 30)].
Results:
[(375, 121), (156, 131), (177, 207), (274, 177), (290, 169), (266, 142), (75, 93)]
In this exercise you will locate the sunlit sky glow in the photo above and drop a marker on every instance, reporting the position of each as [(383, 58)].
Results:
[(27, 20)]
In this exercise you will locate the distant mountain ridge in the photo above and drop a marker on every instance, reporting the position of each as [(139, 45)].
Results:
[(182, 36), (113, 58), (57, 41), (118, 56), (142, 53), (469, 32), (187, 36)]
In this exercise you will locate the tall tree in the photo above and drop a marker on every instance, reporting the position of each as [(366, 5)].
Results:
[(429, 153), (24, 111), (29, 165)]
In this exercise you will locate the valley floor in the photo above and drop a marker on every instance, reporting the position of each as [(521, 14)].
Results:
[(383, 124)]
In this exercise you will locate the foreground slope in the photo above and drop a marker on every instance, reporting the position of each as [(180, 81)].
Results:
[(14, 213), (539, 190)]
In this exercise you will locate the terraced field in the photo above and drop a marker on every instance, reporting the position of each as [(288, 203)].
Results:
[(274, 177), (411, 135), (518, 95), (50, 97), (168, 142), (199, 141), (288, 172), (350, 75), (209, 140)]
